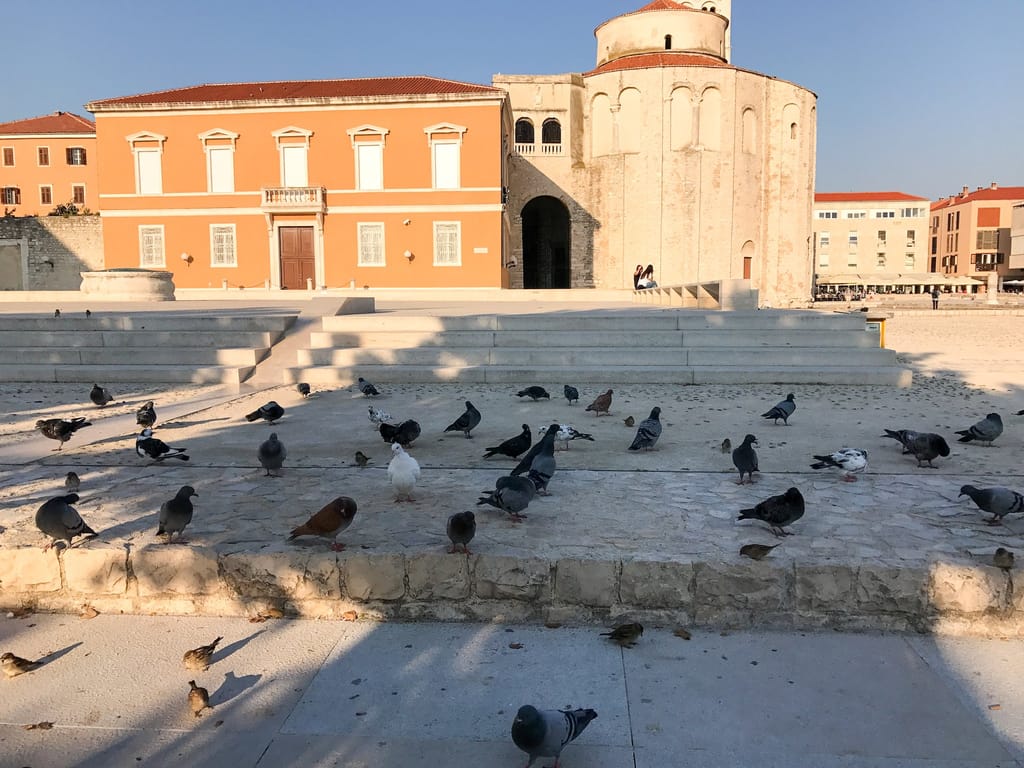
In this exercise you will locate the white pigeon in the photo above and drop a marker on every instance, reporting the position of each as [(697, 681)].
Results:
[(849, 460), (378, 416), (403, 472), (565, 433)]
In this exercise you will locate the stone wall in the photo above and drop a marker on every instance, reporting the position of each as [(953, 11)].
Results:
[(54, 251)]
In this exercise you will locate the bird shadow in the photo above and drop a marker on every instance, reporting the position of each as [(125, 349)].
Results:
[(226, 650), (55, 655), (233, 686), (179, 423)]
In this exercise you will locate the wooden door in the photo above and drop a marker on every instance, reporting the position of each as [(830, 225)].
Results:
[(297, 259)]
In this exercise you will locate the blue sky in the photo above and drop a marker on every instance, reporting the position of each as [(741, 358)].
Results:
[(917, 96)]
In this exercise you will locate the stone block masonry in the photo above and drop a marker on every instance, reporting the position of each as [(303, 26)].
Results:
[(57, 250)]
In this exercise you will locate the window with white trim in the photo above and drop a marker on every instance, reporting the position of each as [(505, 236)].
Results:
[(223, 251), (446, 158), (10, 196), (78, 194), (149, 178), (822, 259), (908, 260), (151, 245), (294, 166), (42, 156), (75, 155), (369, 165), (887, 214), (371, 244), (856, 214), (828, 214), (220, 164), (447, 244), (8, 155), (824, 239), (45, 194), (853, 238)]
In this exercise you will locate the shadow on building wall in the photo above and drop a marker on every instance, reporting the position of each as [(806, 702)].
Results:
[(48, 253)]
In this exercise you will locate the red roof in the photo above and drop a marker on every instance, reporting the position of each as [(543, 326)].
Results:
[(56, 122), (981, 195), (659, 59), (863, 197), (300, 91)]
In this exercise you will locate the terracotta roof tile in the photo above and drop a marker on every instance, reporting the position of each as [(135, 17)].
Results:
[(659, 59), (864, 197), (299, 91), (56, 122), (981, 195)]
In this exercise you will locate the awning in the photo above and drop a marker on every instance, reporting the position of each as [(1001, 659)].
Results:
[(903, 279)]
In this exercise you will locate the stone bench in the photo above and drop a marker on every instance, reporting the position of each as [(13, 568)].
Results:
[(711, 294), (129, 285)]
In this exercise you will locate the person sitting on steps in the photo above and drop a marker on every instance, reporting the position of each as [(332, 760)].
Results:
[(647, 278)]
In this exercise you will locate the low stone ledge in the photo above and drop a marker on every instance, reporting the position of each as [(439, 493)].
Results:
[(374, 577), (294, 575), (586, 582), (656, 584), (967, 589), (29, 569), (758, 586), (825, 589), (499, 577), (891, 591), (96, 570), (173, 569), (438, 577)]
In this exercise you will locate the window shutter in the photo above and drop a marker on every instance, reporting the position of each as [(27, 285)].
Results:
[(446, 165)]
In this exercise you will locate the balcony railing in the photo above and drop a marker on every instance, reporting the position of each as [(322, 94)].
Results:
[(538, 149), (294, 199)]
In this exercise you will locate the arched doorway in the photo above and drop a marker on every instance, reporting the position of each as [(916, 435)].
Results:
[(546, 244)]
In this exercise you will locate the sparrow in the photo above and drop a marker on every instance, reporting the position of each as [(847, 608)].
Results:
[(198, 698), (15, 665), (629, 421), (1003, 558), (198, 659), (756, 551), (625, 635), (362, 459), (72, 482)]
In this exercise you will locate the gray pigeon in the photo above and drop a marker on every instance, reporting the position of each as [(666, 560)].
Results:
[(782, 410), (146, 415), (572, 395), (366, 388), (272, 453), (648, 432), (176, 513), (461, 529), (924, 446), (534, 392), (997, 501), (303, 389), (544, 733), (985, 431), (269, 412), (744, 459), (467, 422), (778, 511), (59, 520), (510, 494), (542, 468), (526, 462), (100, 396)]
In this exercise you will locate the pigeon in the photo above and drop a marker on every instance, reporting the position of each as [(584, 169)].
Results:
[(198, 698), (269, 412), (545, 446), (72, 482), (997, 501), (362, 459), (629, 421), (467, 422), (648, 432), (572, 395), (744, 459), (781, 411), (566, 433), (61, 429), (156, 449), (544, 733), (15, 665), (198, 659), (985, 431), (99, 396), (303, 389), (778, 511), (271, 453), (601, 403), (61, 521), (850, 460), (756, 551), (56, 313), (404, 434), (1003, 558), (726, 445), (146, 415), (403, 472), (367, 388), (924, 446), (534, 393), (461, 529), (510, 494), (377, 416), (176, 513), (332, 519), (513, 446), (625, 635)]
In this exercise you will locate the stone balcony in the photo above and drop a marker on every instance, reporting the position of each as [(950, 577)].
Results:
[(294, 199)]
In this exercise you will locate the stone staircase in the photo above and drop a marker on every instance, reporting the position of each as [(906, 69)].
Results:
[(661, 346), (138, 347)]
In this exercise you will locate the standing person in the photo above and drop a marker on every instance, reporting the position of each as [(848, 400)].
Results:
[(636, 275), (935, 298)]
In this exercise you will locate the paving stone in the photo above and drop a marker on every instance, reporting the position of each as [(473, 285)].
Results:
[(967, 589), (29, 569), (96, 570), (503, 578), (438, 576), (175, 569), (656, 584), (373, 577), (586, 582)]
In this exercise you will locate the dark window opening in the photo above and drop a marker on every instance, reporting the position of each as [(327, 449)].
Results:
[(524, 131), (551, 132), (10, 196), (668, 42), (75, 155)]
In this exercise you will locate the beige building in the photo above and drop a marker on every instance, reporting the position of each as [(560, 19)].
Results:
[(869, 240), (1017, 237), (663, 154), (970, 233)]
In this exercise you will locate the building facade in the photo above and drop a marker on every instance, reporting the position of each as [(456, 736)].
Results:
[(47, 161), (663, 154), (1017, 237), (379, 182), (969, 233), (870, 239)]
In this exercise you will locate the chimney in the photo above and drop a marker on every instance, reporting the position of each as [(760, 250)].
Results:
[(993, 185), (963, 192)]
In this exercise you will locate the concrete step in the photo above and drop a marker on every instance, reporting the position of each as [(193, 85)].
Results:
[(134, 374), (181, 356), (122, 339), (153, 321), (859, 375)]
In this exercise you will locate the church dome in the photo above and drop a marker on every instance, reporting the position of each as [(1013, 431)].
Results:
[(692, 27)]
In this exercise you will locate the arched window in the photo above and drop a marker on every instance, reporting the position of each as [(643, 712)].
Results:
[(524, 131), (668, 42), (551, 132)]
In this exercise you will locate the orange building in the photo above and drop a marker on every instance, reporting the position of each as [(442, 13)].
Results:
[(46, 161), (380, 182), (970, 232)]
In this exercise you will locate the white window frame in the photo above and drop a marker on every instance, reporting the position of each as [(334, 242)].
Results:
[(41, 188), (855, 214), (851, 260), (84, 192), (828, 214), (368, 226), (75, 150), (300, 170), (824, 239), (146, 139), (823, 260), (369, 176), (909, 260), (446, 134), (853, 238), (14, 157), (885, 213), (152, 230), (220, 136), (438, 180), (438, 225), (48, 160), (368, 135), (233, 260), (291, 137)]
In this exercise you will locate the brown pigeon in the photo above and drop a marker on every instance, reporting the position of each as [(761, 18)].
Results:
[(601, 403), (334, 518)]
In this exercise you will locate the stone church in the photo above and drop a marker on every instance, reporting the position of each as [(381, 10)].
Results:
[(664, 153)]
